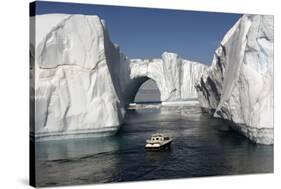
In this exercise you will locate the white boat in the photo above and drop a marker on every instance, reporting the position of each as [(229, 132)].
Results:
[(158, 141)]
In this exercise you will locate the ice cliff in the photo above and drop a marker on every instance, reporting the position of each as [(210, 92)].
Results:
[(81, 83), (74, 79), (238, 86)]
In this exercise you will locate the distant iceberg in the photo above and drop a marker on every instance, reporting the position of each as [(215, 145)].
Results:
[(174, 76)]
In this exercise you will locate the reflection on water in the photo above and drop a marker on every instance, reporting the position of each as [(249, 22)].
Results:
[(66, 149), (202, 146)]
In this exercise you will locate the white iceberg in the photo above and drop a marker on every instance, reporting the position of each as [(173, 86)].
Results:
[(174, 76), (238, 86), (71, 66)]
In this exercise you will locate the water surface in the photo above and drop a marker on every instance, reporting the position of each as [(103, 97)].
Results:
[(202, 146)]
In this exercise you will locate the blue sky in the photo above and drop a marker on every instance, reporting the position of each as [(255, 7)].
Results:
[(147, 33)]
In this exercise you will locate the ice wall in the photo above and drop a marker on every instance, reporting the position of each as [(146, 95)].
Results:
[(238, 86), (76, 87)]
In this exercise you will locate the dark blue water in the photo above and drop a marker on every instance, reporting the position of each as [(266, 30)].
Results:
[(202, 146)]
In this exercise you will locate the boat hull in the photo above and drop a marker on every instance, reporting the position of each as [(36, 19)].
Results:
[(158, 148)]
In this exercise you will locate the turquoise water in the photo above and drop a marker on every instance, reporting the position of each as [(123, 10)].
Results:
[(202, 146)]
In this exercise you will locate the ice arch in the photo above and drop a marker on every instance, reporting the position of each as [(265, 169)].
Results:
[(134, 86), (175, 77)]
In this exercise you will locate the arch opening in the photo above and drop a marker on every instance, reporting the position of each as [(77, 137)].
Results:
[(133, 87), (148, 92)]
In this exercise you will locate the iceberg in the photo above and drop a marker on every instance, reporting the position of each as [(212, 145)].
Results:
[(174, 76), (238, 86), (72, 62)]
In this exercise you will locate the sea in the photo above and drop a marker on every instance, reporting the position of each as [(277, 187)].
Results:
[(202, 146)]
